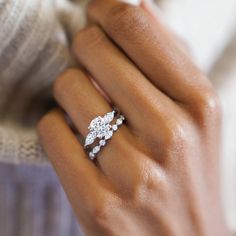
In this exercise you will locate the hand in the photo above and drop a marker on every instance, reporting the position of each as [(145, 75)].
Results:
[(159, 173)]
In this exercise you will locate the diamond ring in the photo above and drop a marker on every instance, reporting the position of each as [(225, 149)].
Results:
[(101, 129)]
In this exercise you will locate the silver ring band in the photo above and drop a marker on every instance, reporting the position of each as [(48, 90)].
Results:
[(101, 130)]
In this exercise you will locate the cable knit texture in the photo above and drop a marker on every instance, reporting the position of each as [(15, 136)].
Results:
[(34, 49)]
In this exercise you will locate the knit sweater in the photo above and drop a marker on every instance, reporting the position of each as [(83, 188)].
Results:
[(34, 49)]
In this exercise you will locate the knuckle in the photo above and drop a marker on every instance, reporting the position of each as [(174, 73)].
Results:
[(151, 179), (147, 189), (101, 211), (146, 183), (123, 17), (175, 134), (208, 106), (90, 37), (61, 83)]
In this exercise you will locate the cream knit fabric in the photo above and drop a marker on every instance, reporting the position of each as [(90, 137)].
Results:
[(34, 49)]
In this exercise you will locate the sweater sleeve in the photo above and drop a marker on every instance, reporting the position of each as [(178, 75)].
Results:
[(33, 51)]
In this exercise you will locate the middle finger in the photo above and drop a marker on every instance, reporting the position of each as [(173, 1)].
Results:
[(124, 83)]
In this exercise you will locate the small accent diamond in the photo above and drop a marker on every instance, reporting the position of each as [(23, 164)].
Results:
[(90, 138), (114, 127), (119, 121), (108, 134), (102, 142), (108, 117), (96, 149), (91, 155), (122, 117)]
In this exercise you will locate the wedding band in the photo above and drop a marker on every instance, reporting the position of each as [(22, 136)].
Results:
[(101, 129)]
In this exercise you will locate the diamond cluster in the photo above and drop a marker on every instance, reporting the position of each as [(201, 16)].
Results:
[(101, 128)]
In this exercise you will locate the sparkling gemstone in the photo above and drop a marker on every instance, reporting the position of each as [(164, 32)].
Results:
[(96, 149), (91, 155), (122, 117), (100, 128), (109, 134), (90, 138), (103, 130), (96, 123), (108, 117), (114, 127), (119, 121), (102, 142)]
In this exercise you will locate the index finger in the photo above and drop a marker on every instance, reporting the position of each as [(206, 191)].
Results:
[(151, 47)]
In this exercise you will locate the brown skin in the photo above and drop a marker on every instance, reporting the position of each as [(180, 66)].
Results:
[(158, 176)]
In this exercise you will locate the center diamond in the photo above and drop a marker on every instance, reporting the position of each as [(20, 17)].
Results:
[(96, 124), (101, 127)]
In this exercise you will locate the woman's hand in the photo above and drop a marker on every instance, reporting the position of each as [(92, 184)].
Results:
[(159, 173)]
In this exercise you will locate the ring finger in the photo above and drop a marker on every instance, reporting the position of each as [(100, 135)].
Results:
[(75, 92)]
